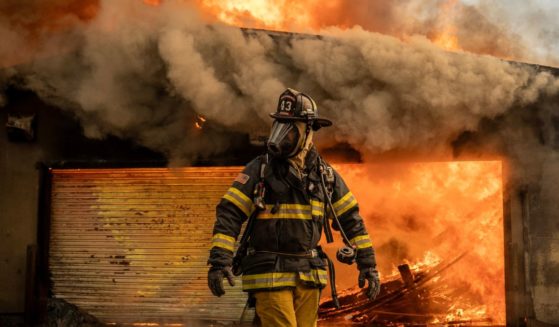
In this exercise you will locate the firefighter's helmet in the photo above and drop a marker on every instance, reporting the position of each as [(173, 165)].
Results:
[(295, 105)]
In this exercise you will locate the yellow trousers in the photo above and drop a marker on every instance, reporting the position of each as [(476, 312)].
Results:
[(294, 307)]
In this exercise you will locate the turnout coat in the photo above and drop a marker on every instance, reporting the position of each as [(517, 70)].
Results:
[(286, 232)]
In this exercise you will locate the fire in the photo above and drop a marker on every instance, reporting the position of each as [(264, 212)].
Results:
[(313, 15), (154, 3), (430, 259), (447, 40), (200, 120), (279, 15), (307, 16), (426, 214), (447, 37)]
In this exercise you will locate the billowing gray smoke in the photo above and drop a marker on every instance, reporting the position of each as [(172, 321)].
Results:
[(144, 73)]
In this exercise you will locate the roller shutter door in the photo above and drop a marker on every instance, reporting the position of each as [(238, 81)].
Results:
[(131, 245)]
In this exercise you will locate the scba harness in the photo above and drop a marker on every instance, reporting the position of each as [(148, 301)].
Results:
[(346, 254)]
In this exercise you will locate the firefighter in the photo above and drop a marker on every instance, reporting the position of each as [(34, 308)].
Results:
[(285, 193)]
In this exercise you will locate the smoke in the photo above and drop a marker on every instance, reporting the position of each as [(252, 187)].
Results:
[(471, 29), (32, 29), (385, 94), (534, 22), (144, 73), (510, 30)]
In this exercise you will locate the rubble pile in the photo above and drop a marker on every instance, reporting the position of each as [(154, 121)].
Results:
[(411, 298), (64, 314)]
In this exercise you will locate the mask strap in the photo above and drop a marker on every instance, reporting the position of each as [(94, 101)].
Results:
[(307, 132)]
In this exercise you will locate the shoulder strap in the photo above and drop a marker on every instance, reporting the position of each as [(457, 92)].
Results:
[(259, 205), (260, 189), (327, 189), (326, 172), (258, 199)]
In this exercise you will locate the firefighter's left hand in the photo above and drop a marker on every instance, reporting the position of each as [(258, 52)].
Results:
[(371, 276), (215, 279)]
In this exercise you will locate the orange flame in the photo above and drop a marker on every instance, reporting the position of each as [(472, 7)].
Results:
[(278, 15), (154, 3), (311, 15), (447, 40), (200, 120), (425, 213), (306, 16), (447, 37)]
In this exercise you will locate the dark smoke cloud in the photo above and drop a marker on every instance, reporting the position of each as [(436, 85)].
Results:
[(145, 72), (474, 31), (30, 29)]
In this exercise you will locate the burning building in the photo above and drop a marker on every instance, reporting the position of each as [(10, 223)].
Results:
[(142, 113)]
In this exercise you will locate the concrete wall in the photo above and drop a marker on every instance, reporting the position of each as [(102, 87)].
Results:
[(18, 217), (532, 250), (544, 244), (58, 139)]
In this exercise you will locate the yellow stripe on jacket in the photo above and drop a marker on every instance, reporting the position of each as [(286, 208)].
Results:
[(223, 241), (361, 241), (316, 277), (344, 204), (239, 199)]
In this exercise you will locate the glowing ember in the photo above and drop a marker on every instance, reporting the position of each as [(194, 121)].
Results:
[(429, 260), (426, 214), (200, 120)]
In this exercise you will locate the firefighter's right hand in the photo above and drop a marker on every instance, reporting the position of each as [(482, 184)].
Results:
[(215, 279), (371, 276)]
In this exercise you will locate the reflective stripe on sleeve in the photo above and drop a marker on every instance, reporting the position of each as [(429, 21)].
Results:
[(361, 241), (317, 208), (239, 199), (347, 202), (223, 241)]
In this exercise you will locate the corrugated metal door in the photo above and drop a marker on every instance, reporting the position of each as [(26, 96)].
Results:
[(130, 245)]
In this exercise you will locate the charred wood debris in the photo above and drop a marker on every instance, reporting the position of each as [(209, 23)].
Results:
[(410, 299)]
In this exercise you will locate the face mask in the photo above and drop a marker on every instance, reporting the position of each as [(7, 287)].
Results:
[(284, 139)]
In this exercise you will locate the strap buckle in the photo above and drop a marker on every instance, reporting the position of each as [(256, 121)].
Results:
[(313, 253)]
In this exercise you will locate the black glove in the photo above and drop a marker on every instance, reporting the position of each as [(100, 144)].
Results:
[(371, 275), (215, 279)]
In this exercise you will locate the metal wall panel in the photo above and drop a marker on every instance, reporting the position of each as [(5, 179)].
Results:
[(131, 245)]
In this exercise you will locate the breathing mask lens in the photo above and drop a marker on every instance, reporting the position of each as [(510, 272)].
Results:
[(283, 139)]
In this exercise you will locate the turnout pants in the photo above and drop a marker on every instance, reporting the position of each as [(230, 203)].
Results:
[(292, 307)]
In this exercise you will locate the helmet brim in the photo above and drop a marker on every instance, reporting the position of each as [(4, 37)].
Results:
[(317, 122)]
